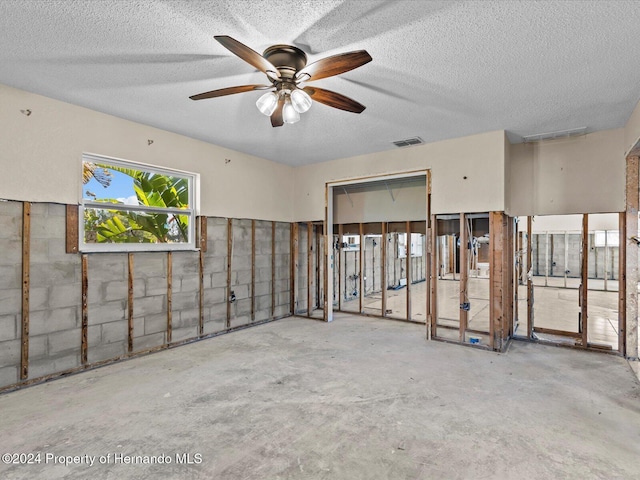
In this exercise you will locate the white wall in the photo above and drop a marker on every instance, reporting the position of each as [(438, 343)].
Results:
[(40, 157), (377, 205), (570, 223), (577, 175), (632, 130), (478, 157)]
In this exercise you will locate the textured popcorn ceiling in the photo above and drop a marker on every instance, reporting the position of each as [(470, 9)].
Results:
[(440, 69)]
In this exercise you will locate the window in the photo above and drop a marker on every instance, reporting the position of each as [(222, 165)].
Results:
[(128, 206)]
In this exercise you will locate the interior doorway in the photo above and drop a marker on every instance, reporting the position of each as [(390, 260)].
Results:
[(380, 258)]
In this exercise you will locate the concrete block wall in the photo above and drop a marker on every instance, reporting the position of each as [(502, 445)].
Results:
[(215, 276), (150, 299), (185, 297), (55, 292), (283, 270), (10, 290), (55, 313), (372, 265), (596, 256), (350, 284), (241, 272), (320, 254), (108, 284), (303, 247), (262, 285)]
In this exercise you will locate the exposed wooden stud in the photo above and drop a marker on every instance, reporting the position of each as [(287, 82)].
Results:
[(294, 267), (26, 287), (529, 278), (273, 269), (85, 311), (202, 233), (508, 267), (464, 276), (253, 270), (340, 237), (229, 254), (547, 262), (496, 306), (201, 293), (130, 304), (584, 274), (310, 234), (325, 262), (427, 260), (383, 268), (631, 265), (319, 277), (361, 277), (622, 283), (435, 262), (408, 269), (72, 236), (169, 297), (553, 331)]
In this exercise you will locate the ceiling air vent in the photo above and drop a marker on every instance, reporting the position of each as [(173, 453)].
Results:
[(574, 132), (408, 142)]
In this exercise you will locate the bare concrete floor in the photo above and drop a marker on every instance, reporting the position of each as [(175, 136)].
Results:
[(360, 398)]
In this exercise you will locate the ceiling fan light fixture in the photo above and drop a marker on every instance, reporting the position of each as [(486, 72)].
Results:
[(267, 103), (300, 100), (289, 113)]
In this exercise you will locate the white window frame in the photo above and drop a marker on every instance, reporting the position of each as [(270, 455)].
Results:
[(192, 212)]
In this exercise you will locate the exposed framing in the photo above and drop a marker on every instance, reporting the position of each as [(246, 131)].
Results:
[(530, 298), (82, 339), (310, 237), (622, 284), (273, 269), (201, 293), (383, 268), (170, 296), (85, 309), (328, 221), (340, 253), (464, 276), (631, 263), (253, 270), (408, 270), (360, 272), (295, 238), (584, 278), (229, 255), (130, 302), (26, 287)]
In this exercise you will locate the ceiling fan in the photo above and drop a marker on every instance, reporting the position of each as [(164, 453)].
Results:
[(286, 68)]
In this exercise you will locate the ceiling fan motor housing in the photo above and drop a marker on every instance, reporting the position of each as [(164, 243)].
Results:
[(287, 59)]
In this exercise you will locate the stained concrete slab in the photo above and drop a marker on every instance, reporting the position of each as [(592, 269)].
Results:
[(359, 398)]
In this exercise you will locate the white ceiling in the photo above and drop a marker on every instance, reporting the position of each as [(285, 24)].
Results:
[(440, 69)]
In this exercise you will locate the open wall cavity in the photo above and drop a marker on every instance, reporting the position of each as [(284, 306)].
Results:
[(472, 289), (568, 270), (62, 311), (380, 253)]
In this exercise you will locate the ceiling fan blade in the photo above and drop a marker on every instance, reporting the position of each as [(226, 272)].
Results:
[(335, 100), (229, 91), (334, 65), (276, 116), (248, 55)]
